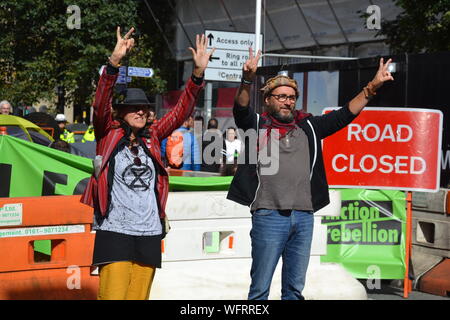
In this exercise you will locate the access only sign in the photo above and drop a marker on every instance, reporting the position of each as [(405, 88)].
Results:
[(230, 55), (386, 148)]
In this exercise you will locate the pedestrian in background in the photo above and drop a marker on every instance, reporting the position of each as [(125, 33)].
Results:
[(232, 148), (181, 149), (151, 117), (211, 157), (65, 134), (6, 108)]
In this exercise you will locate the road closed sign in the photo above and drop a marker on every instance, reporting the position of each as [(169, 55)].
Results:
[(386, 148)]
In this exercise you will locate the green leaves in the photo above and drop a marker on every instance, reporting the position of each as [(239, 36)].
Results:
[(39, 52), (424, 26)]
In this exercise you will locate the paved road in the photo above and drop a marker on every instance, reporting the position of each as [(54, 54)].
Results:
[(393, 290)]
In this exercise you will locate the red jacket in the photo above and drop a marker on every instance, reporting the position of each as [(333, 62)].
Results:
[(107, 136)]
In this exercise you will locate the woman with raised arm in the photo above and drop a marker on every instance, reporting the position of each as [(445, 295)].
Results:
[(129, 187)]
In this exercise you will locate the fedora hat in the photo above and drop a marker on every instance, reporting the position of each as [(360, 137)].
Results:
[(131, 97)]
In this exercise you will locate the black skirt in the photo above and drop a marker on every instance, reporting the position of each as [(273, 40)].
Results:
[(113, 247)]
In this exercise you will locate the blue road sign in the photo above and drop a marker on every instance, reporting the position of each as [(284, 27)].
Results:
[(122, 71), (121, 79), (140, 72)]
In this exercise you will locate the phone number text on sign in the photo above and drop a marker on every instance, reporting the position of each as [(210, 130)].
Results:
[(41, 231)]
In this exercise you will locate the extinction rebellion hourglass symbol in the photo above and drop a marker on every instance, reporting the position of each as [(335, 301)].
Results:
[(137, 177)]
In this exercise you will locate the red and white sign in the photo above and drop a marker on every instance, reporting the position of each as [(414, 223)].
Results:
[(386, 148)]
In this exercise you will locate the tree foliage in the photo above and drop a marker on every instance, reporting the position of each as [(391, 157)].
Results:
[(39, 52), (423, 26)]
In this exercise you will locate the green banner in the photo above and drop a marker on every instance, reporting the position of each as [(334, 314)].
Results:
[(368, 238), (29, 170), (200, 183)]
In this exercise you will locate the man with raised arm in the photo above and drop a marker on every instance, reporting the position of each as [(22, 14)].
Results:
[(282, 203)]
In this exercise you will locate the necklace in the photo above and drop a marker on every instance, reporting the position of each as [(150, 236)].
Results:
[(286, 140), (134, 149)]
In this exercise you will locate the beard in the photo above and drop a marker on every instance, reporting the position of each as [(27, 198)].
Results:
[(278, 116)]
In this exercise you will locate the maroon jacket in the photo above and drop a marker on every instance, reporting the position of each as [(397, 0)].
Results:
[(108, 136)]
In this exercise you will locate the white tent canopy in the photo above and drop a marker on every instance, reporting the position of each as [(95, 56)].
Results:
[(327, 27)]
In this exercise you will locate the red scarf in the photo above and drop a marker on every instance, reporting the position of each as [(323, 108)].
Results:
[(282, 127)]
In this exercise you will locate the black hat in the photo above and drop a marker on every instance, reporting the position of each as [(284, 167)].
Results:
[(131, 97)]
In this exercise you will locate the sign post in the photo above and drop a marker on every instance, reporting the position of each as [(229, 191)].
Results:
[(125, 73)]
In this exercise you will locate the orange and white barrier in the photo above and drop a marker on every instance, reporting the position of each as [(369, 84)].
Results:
[(207, 253), (65, 224)]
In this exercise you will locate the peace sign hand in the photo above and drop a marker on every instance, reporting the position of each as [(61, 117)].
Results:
[(123, 46), (251, 65), (382, 74), (200, 56)]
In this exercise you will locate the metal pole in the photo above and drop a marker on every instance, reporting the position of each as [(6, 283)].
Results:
[(208, 101), (302, 56), (257, 25)]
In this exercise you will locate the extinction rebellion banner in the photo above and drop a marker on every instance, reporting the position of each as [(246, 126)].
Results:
[(368, 238), (30, 170)]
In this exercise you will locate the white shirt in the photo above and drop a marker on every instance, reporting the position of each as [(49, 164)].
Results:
[(133, 209), (232, 147)]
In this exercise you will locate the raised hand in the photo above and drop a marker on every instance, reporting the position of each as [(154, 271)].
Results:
[(251, 65), (123, 46), (200, 56), (382, 74)]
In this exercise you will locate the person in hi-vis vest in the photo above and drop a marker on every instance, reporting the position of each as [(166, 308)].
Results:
[(89, 135), (65, 135)]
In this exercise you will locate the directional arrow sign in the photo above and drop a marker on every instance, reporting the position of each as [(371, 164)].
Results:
[(231, 40), (228, 59), (231, 53), (211, 38), (122, 71), (140, 72), (132, 72), (121, 79)]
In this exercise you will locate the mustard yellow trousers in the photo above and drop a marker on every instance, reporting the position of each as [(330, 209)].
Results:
[(125, 280)]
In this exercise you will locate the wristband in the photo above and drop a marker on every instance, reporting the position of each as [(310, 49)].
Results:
[(111, 70), (112, 64), (197, 80), (247, 82), (369, 91)]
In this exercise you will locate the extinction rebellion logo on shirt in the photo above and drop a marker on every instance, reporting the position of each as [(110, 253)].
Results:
[(364, 223)]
